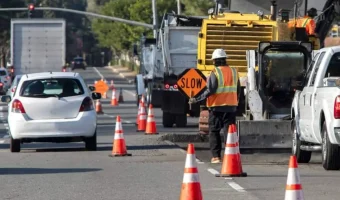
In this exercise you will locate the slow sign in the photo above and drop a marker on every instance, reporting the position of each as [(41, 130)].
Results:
[(191, 82), (101, 87)]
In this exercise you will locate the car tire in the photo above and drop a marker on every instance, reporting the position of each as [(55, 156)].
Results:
[(330, 152), (14, 145), (301, 155), (91, 142)]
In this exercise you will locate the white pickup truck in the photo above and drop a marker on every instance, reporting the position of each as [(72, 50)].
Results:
[(316, 110)]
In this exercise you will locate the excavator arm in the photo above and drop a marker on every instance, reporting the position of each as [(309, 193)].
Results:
[(324, 21)]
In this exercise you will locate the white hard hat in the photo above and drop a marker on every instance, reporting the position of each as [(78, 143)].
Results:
[(219, 53)]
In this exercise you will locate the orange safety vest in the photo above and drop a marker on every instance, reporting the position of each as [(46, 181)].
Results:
[(306, 22), (226, 93)]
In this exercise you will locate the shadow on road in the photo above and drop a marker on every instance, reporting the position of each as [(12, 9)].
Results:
[(14, 171), (143, 147)]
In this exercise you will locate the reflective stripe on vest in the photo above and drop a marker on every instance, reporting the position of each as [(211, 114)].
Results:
[(305, 22), (226, 93)]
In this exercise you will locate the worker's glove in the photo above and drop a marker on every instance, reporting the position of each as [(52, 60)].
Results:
[(192, 100)]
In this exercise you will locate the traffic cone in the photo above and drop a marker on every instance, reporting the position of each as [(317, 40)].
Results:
[(104, 95), (121, 99), (99, 108), (139, 106), (231, 165), (293, 186), (191, 187), (142, 118), (151, 124), (114, 101), (112, 85), (119, 146)]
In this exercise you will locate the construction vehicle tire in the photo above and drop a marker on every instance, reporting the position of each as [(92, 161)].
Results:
[(181, 120), (168, 120)]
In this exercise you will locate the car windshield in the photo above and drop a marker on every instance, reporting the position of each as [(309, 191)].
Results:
[(52, 87), (2, 73)]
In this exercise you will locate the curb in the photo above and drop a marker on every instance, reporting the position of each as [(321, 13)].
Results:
[(121, 74)]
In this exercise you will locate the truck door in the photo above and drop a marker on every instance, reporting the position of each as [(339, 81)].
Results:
[(307, 95)]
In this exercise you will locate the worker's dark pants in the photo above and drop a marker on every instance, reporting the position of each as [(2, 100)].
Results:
[(218, 121)]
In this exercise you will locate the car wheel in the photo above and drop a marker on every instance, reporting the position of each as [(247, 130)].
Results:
[(14, 145), (301, 155), (330, 152), (91, 142)]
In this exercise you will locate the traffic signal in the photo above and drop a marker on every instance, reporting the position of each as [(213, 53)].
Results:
[(31, 8)]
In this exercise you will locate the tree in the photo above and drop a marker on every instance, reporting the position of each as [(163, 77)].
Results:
[(119, 36), (197, 7)]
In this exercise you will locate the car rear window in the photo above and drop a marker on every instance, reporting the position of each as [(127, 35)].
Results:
[(2, 73), (52, 87)]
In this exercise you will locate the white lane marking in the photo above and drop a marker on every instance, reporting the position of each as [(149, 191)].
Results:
[(129, 92), (6, 136), (181, 150), (213, 171), (101, 75), (2, 141), (236, 187)]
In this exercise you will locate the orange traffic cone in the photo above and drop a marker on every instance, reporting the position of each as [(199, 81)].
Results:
[(232, 165), (139, 106), (104, 95), (142, 118), (119, 146), (151, 124), (114, 101), (99, 108), (191, 187), (293, 186)]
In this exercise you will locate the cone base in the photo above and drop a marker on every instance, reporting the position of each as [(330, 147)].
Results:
[(151, 133), (120, 155), (243, 174)]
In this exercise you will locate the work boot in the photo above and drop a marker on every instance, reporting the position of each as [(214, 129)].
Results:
[(216, 160)]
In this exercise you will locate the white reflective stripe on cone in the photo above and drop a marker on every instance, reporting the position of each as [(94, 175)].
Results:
[(232, 138), (294, 195), (190, 178), (293, 177), (150, 119), (118, 136), (119, 126), (142, 116), (190, 161), (151, 112), (231, 150)]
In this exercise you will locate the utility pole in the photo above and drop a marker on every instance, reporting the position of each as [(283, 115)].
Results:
[(179, 7), (154, 14)]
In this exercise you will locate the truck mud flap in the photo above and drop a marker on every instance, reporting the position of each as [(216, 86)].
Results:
[(265, 134)]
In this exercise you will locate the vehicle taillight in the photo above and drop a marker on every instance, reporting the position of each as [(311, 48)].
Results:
[(17, 107), (167, 86), (12, 70), (337, 108), (87, 105), (13, 89), (175, 86), (64, 70), (1, 84)]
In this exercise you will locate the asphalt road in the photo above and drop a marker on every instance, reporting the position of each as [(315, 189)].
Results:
[(66, 171)]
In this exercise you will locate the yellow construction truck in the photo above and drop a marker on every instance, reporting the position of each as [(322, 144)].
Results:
[(240, 35)]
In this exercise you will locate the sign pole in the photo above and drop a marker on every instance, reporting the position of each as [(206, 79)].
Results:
[(190, 97)]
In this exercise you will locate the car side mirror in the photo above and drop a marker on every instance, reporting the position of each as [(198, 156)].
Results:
[(6, 99), (96, 95), (92, 88)]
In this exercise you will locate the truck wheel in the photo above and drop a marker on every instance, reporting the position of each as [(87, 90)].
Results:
[(330, 152), (181, 120), (168, 120), (14, 145), (301, 155)]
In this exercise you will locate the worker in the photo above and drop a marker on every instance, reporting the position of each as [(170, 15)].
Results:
[(306, 22), (222, 94)]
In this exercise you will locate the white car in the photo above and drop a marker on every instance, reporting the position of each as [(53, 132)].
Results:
[(52, 107)]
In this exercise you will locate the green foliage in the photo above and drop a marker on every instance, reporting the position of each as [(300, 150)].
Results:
[(119, 36), (197, 7)]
